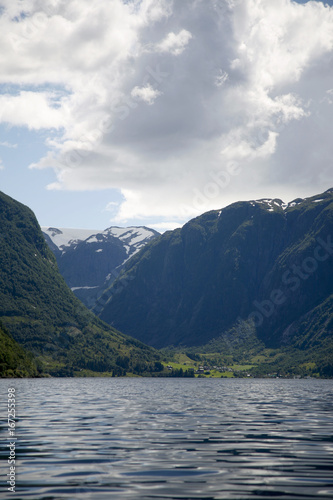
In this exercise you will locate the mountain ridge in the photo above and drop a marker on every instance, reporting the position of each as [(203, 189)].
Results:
[(251, 261), (44, 317), (90, 261)]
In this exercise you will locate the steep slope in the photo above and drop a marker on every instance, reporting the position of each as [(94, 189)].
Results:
[(91, 260), (14, 361), (261, 262), (44, 316)]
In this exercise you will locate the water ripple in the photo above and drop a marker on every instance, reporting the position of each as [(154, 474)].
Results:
[(143, 439)]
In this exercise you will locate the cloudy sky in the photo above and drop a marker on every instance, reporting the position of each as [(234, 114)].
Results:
[(130, 112)]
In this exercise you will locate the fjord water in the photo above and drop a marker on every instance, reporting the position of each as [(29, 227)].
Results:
[(100, 438)]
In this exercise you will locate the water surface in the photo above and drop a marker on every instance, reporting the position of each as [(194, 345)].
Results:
[(158, 439)]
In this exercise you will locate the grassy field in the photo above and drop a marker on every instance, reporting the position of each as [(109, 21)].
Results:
[(257, 362)]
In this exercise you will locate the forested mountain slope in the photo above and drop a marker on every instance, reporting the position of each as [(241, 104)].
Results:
[(43, 315), (262, 263)]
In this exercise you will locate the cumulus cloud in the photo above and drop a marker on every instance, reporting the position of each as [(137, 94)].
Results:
[(175, 43), (238, 98), (34, 110), (146, 94)]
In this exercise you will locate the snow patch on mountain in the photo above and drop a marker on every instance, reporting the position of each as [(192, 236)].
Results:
[(133, 236), (273, 203), (106, 252), (64, 238), (73, 288)]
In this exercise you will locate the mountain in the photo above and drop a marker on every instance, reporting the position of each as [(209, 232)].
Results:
[(91, 260), (41, 314), (14, 361), (261, 266)]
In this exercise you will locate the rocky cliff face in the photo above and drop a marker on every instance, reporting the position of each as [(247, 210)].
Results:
[(261, 262)]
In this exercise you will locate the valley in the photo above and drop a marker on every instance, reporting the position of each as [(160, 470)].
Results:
[(246, 291)]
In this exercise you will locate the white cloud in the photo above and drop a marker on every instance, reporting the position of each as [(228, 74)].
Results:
[(111, 206), (8, 145), (146, 94), (175, 43), (221, 78), (249, 94), (34, 110)]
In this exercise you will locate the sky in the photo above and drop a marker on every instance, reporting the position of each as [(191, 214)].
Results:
[(151, 112)]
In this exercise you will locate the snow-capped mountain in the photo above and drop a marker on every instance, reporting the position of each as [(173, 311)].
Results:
[(90, 260), (63, 239)]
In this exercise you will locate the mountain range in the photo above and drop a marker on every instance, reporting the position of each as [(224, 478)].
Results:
[(44, 328), (252, 281), (91, 260), (262, 266)]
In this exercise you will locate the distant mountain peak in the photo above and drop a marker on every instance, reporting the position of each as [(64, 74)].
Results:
[(90, 260), (53, 231), (63, 238), (271, 203)]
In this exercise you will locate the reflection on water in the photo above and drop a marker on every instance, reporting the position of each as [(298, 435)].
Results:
[(171, 439)]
